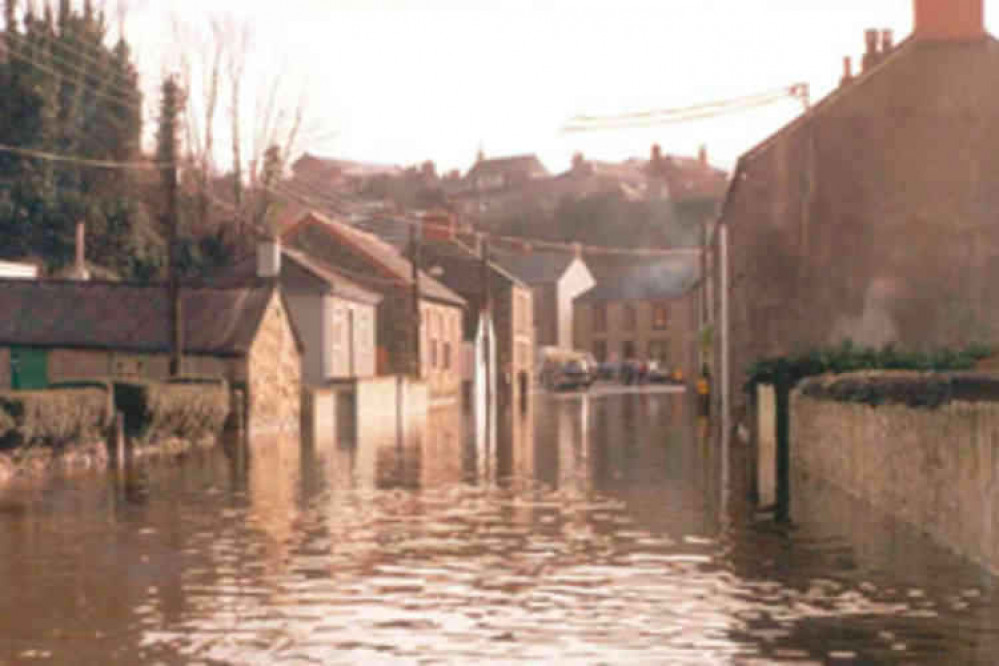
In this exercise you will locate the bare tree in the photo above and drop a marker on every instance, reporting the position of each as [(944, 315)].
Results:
[(214, 64)]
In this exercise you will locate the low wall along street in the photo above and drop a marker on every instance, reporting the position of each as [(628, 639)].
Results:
[(923, 448)]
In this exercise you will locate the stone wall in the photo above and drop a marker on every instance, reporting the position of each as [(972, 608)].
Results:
[(72, 364), (873, 217), (275, 373), (936, 469)]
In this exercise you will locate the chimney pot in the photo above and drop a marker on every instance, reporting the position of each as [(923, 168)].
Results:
[(269, 258), (949, 20), (702, 155)]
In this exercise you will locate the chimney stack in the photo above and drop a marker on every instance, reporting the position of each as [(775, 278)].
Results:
[(950, 20), (887, 42), (80, 265), (657, 153), (269, 258), (847, 71), (871, 55)]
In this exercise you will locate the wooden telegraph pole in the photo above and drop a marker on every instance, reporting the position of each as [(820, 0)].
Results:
[(487, 320), (167, 155), (415, 239)]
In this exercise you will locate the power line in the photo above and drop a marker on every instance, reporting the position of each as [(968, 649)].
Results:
[(651, 118), (117, 93), (49, 70), (82, 161)]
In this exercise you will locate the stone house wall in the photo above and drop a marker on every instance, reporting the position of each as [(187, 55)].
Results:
[(440, 347), (274, 373), (937, 470), (874, 217)]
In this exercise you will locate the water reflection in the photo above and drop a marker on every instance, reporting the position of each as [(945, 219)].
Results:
[(590, 530)]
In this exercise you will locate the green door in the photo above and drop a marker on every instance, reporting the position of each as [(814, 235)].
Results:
[(29, 368)]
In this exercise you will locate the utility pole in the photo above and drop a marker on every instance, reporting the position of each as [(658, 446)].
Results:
[(415, 238), (487, 321), (167, 154)]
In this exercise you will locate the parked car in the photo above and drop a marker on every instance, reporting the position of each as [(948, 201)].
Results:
[(608, 370), (566, 369), (659, 374)]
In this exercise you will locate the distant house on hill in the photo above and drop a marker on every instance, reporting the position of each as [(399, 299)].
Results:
[(66, 330), (325, 172), (643, 312), (556, 279), (872, 217), (378, 267), (500, 173)]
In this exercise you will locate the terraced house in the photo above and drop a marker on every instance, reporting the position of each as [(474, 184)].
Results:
[(640, 313), (378, 267)]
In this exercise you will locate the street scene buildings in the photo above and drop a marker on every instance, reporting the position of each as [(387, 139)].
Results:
[(683, 384)]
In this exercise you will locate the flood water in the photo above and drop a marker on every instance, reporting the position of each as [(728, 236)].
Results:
[(591, 531)]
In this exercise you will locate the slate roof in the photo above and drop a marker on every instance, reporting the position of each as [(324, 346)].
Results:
[(535, 267), (376, 252), (315, 164), (300, 272), (219, 321), (526, 165), (462, 266), (654, 280)]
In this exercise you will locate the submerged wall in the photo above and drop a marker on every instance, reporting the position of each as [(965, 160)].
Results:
[(922, 448)]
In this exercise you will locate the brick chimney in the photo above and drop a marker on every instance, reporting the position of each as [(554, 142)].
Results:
[(847, 71), (80, 271), (887, 42), (269, 258), (949, 20), (871, 54)]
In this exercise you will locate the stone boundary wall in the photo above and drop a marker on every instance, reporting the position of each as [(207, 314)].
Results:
[(922, 448)]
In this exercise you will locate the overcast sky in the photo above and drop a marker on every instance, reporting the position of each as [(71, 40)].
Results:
[(401, 81)]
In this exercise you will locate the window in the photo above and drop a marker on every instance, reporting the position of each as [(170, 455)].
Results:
[(628, 350), (659, 351), (447, 355), (660, 316), (630, 317), (600, 350), (599, 317), (433, 353)]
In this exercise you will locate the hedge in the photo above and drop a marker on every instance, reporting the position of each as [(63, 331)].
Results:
[(53, 417), (848, 358), (155, 411)]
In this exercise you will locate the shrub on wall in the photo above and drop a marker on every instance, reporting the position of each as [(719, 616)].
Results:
[(848, 358), (53, 417), (185, 408)]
